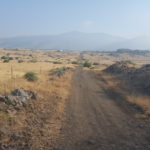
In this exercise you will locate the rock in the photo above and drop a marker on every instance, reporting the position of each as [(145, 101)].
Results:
[(16, 100), (2, 98), (24, 93), (18, 97), (120, 67), (32, 95)]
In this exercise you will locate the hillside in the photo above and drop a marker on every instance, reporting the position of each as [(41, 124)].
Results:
[(67, 41)]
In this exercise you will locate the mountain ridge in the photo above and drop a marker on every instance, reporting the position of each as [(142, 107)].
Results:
[(75, 40)]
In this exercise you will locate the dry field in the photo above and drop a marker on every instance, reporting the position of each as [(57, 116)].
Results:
[(82, 109), (41, 116), (107, 58), (11, 73)]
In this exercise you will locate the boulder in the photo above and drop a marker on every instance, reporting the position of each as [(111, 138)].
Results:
[(2, 98), (18, 97), (24, 93)]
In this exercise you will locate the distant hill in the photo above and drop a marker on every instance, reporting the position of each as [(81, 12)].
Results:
[(67, 41), (75, 41), (141, 43)]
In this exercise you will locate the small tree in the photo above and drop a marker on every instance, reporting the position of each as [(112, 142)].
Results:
[(31, 76)]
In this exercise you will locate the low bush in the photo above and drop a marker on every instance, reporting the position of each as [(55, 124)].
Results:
[(57, 62), (31, 76), (16, 58), (33, 60), (87, 64), (10, 58), (20, 61), (6, 58), (74, 62), (95, 63), (59, 71)]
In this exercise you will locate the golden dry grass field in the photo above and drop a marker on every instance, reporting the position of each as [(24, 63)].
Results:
[(67, 106), (38, 61)]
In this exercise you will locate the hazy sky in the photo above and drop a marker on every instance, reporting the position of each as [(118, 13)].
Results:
[(126, 18)]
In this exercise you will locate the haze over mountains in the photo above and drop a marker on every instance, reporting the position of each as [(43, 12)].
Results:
[(76, 41)]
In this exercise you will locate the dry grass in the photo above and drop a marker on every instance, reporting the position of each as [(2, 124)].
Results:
[(11, 74), (112, 83), (40, 121), (142, 101)]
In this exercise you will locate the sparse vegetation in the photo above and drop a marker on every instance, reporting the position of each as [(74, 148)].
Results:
[(33, 60), (95, 63), (87, 64), (75, 62), (59, 71), (16, 58), (20, 61), (6, 61), (57, 62), (6, 58), (53, 93), (31, 76)]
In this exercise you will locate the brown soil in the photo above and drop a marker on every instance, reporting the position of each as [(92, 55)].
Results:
[(97, 120)]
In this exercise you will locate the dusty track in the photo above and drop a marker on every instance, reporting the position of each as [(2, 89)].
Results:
[(95, 122)]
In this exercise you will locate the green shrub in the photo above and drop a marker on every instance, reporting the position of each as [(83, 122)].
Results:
[(59, 71), (57, 62), (31, 76), (87, 64), (95, 63), (74, 62), (10, 58), (7, 58), (20, 61), (30, 55), (16, 58), (33, 60), (4, 57)]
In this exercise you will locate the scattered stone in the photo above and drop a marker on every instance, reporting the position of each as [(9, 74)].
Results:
[(24, 93), (18, 97), (2, 98)]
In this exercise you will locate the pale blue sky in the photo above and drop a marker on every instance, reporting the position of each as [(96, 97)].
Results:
[(128, 18)]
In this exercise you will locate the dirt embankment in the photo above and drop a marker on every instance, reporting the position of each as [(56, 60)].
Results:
[(134, 82), (138, 78)]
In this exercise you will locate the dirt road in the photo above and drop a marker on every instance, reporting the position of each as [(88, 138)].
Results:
[(95, 122)]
